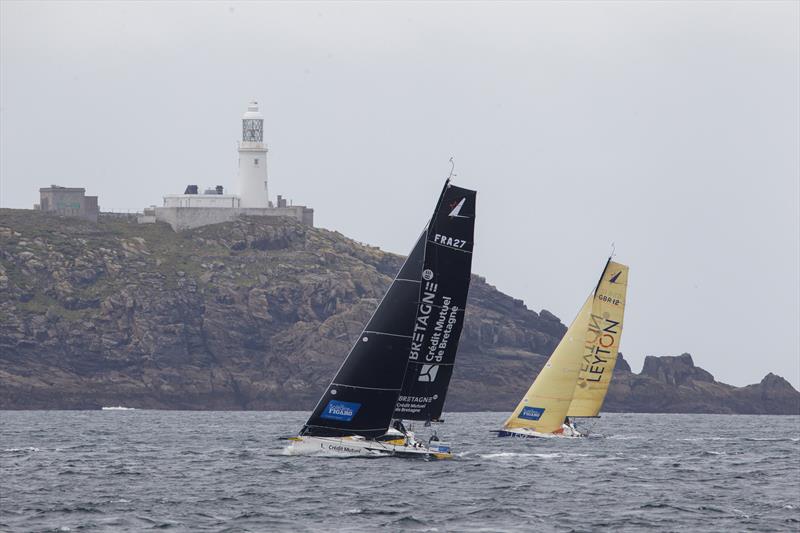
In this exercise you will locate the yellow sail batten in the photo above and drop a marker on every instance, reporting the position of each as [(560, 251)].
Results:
[(548, 399), (602, 342)]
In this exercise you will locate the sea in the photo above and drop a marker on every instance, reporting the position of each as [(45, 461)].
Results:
[(141, 470)]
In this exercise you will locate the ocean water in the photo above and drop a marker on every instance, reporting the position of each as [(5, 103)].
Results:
[(226, 471)]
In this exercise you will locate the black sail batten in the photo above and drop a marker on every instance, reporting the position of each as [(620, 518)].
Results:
[(361, 398), (442, 300)]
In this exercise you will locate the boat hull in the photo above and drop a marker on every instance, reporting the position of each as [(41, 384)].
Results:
[(522, 433), (356, 447)]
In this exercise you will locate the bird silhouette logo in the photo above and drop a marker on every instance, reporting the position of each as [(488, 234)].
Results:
[(456, 209)]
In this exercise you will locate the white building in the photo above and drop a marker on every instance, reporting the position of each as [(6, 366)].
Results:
[(193, 209)]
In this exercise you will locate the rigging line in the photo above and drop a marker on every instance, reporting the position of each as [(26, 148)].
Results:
[(360, 387), (599, 281), (389, 334), (450, 247), (460, 309), (427, 233)]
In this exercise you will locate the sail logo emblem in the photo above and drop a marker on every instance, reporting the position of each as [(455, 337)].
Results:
[(455, 213), (615, 277), (531, 413), (341, 411), (427, 274), (427, 373)]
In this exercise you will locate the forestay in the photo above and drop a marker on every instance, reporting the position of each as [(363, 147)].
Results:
[(547, 401), (361, 397)]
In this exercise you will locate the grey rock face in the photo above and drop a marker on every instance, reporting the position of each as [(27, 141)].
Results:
[(258, 314)]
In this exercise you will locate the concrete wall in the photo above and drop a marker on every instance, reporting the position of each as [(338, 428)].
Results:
[(183, 218), (201, 200)]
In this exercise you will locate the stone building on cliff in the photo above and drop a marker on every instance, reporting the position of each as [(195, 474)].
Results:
[(68, 201)]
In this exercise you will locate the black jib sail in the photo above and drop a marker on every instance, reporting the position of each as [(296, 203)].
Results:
[(440, 313), (362, 396)]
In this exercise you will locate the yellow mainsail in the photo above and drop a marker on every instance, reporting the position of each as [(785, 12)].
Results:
[(602, 341), (547, 401)]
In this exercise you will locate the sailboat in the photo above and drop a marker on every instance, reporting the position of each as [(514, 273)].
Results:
[(575, 379), (400, 366)]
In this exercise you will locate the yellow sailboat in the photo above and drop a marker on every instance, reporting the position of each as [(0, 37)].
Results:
[(576, 377)]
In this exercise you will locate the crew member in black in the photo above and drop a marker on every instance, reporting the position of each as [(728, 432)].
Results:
[(398, 425)]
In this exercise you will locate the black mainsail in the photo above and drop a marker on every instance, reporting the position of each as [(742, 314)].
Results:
[(442, 300), (363, 395)]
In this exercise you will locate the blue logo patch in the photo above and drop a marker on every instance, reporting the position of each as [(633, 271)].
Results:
[(531, 413), (342, 411)]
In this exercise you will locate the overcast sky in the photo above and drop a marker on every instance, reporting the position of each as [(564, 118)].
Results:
[(671, 129)]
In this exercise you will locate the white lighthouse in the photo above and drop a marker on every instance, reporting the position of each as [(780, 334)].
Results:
[(252, 181), (198, 206)]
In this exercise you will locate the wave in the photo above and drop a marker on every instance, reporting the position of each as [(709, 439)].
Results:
[(771, 439), (516, 454)]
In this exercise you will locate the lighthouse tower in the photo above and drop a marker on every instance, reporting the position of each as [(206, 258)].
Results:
[(253, 160)]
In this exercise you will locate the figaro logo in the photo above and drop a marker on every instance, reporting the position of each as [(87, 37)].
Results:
[(531, 413), (341, 411), (615, 277)]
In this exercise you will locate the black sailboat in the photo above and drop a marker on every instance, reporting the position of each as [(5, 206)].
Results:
[(401, 364)]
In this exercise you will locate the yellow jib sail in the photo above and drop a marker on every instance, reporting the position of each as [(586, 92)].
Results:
[(546, 403), (602, 341)]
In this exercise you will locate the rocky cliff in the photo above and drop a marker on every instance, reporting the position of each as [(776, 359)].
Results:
[(676, 385), (258, 314)]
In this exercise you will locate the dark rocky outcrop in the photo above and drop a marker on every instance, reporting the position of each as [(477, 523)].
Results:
[(258, 314), (678, 370), (676, 385)]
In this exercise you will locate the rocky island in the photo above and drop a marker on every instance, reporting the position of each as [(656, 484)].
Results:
[(257, 314)]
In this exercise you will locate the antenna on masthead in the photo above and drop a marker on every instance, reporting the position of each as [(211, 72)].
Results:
[(452, 168), (613, 250)]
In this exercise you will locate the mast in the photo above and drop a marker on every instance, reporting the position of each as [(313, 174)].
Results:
[(447, 265), (603, 336)]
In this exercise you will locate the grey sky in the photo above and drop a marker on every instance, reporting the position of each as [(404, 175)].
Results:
[(672, 129)]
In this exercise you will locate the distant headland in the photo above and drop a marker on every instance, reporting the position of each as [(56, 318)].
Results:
[(257, 313)]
